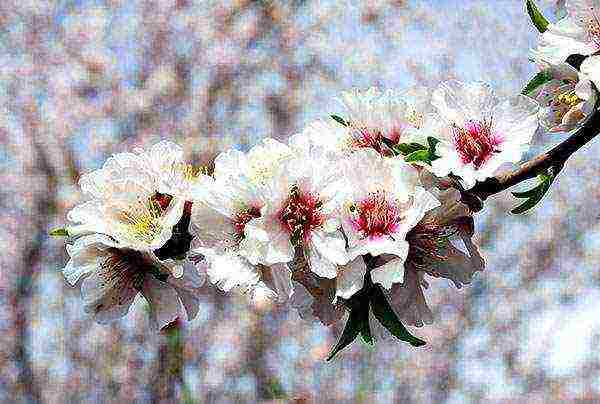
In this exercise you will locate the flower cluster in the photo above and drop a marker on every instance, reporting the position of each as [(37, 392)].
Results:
[(352, 215), (337, 213)]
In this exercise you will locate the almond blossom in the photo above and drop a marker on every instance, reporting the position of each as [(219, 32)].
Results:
[(384, 204), (127, 204), (478, 132), (131, 237), (576, 34), (441, 246), (219, 218), (379, 119), (301, 212), (567, 100), (110, 277)]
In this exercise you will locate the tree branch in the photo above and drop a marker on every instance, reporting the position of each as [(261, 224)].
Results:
[(553, 159)]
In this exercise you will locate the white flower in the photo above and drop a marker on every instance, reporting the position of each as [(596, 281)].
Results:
[(161, 169), (301, 211), (380, 119), (173, 176), (567, 100), (219, 219), (440, 245), (130, 213), (576, 34), (111, 277), (477, 132), (138, 198), (384, 204)]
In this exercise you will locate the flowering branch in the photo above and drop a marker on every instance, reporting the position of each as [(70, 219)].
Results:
[(553, 159)]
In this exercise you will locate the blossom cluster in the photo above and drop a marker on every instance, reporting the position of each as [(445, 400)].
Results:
[(353, 214)]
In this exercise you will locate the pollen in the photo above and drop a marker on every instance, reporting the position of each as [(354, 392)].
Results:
[(364, 137), (142, 220), (415, 118), (562, 103), (191, 172), (593, 26), (476, 142), (569, 99)]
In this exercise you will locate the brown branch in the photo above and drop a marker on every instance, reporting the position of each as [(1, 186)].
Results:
[(553, 159)]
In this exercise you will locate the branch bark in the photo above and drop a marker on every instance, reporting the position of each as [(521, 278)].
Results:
[(553, 159)]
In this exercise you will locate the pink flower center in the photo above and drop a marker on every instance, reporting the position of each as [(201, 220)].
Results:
[(243, 217), (301, 215), (376, 216), (375, 139), (476, 142)]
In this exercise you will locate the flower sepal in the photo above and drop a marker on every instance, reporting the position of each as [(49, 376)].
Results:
[(534, 195), (371, 298), (537, 18)]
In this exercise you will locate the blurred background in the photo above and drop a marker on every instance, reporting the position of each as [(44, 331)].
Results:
[(80, 80)]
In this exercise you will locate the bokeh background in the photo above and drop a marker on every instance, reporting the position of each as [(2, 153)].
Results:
[(80, 80)]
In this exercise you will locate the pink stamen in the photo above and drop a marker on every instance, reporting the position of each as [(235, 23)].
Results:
[(301, 215), (376, 216), (475, 142)]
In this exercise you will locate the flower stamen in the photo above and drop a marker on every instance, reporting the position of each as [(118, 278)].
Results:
[(301, 215), (475, 142), (376, 216)]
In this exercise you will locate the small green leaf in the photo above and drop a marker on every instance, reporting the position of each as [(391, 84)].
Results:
[(419, 155), (385, 315), (339, 120), (432, 142), (408, 148), (351, 330), (537, 18), (534, 195), (59, 232), (538, 80)]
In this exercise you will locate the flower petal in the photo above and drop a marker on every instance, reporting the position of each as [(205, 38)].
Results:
[(350, 278)]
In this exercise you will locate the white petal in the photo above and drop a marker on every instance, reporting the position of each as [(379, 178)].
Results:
[(390, 273), (591, 68), (516, 120), (409, 302), (350, 278), (84, 254), (332, 246), (457, 102), (228, 271), (266, 242), (278, 278), (164, 302)]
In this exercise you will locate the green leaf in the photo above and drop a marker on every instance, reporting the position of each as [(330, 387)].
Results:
[(432, 142), (419, 155), (352, 328), (408, 148), (385, 315), (534, 195), (537, 18), (59, 232), (339, 120), (537, 80)]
